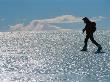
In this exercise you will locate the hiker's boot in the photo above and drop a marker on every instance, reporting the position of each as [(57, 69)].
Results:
[(84, 49), (99, 48)]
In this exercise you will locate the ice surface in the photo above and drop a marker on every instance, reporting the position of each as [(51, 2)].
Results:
[(53, 57)]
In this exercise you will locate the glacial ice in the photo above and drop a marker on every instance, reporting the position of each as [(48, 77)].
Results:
[(53, 57)]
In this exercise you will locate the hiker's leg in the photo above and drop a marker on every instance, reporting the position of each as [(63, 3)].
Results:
[(85, 42), (94, 42)]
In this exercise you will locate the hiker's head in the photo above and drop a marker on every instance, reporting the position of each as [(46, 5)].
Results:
[(86, 20)]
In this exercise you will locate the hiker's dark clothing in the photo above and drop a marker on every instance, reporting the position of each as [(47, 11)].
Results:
[(90, 35), (90, 28)]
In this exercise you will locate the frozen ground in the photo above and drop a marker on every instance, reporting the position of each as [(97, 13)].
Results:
[(53, 57)]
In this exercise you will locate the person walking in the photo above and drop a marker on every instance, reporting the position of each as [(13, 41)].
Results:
[(90, 28)]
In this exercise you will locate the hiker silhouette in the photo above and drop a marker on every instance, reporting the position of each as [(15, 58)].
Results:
[(90, 28)]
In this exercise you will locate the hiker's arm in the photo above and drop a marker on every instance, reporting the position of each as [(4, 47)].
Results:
[(84, 29)]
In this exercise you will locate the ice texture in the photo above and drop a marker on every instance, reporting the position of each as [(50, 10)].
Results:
[(53, 57)]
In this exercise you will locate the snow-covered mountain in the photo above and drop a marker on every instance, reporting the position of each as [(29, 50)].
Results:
[(53, 57)]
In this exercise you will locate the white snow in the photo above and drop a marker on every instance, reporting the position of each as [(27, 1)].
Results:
[(53, 57)]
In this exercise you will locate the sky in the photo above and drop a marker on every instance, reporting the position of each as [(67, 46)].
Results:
[(52, 14)]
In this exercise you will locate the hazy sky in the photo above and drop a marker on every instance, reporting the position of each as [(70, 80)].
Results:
[(14, 12)]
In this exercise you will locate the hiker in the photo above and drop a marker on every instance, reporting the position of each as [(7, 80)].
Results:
[(90, 28)]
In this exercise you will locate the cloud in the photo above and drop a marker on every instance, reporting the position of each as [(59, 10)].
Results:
[(48, 24), (61, 19), (99, 18)]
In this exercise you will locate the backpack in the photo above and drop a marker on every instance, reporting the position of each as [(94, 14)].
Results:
[(93, 26)]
